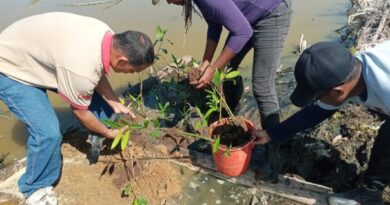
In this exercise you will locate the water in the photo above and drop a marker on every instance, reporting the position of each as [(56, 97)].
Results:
[(316, 19), (206, 190)]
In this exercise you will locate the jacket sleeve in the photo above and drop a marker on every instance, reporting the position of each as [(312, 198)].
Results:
[(225, 13), (308, 117)]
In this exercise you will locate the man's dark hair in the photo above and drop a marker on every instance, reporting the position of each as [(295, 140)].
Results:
[(136, 46), (354, 73)]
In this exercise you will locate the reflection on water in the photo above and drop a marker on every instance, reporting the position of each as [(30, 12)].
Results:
[(316, 19)]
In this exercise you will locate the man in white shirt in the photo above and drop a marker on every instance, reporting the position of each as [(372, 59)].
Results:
[(71, 55)]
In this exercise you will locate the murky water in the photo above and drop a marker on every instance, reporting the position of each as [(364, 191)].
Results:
[(205, 189), (316, 19)]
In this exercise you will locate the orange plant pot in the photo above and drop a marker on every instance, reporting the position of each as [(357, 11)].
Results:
[(238, 162)]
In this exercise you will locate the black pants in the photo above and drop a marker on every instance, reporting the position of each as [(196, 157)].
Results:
[(378, 172), (268, 40)]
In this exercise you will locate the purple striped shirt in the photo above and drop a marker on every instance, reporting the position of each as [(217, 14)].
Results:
[(237, 16)]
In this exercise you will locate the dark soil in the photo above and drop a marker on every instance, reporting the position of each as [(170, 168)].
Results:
[(232, 134), (336, 152)]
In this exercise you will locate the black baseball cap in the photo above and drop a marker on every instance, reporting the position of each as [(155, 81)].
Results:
[(320, 67)]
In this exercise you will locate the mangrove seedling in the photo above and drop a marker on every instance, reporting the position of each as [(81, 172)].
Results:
[(216, 100)]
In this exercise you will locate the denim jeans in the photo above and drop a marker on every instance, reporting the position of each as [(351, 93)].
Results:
[(32, 106), (269, 35)]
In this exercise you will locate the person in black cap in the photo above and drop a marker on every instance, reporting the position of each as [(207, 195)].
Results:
[(329, 76)]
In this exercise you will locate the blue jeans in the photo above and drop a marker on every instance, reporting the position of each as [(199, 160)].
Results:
[(32, 106)]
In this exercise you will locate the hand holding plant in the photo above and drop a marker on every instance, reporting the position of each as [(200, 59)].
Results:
[(120, 108), (207, 73), (112, 133)]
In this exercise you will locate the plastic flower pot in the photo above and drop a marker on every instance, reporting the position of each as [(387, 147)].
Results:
[(237, 163)]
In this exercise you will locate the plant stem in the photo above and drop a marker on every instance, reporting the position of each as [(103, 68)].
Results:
[(185, 134), (224, 104)]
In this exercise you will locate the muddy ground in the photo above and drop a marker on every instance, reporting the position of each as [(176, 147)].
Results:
[(334, 154), (155, 178)]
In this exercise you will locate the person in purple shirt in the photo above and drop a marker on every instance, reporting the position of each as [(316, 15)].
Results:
[(259, 24), (262, 25)]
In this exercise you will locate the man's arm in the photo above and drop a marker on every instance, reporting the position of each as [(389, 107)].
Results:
[(105, 90), (308, 117), (89, 121), (224, 13)]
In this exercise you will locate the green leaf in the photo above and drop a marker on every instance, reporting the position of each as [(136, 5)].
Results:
[(159, 33), (123, 122), (198, 125), (175, 60), (164, 50), (216, 144), (156, 123), (125, 140), (195, 64), (127, 191), (136, 126), (122, 101), (227, 153), (111, 124), (155, 134), (215, 98), (132, 98), (140, 201), (118, 137), (166, 106), (217, 78), (199, 112), (208, 113), (209, 92), (204, 122), (146, 123), (232, 74)]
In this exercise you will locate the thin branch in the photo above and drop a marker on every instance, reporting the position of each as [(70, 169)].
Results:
[(113, 5), (91, 3)]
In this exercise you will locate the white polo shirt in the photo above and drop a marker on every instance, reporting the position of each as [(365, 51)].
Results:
[(57, 50)]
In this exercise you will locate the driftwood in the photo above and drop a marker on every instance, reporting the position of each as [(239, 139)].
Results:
[(368, 23)]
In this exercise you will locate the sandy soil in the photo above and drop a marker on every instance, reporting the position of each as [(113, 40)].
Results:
[(103, 182)]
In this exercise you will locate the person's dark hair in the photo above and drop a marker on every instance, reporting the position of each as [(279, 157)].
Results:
[(354, 73), (187, 13), (136, 46)]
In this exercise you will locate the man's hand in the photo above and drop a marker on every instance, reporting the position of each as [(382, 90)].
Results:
[(261, 136), (121, 109), (207, 71), (112, 133)]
